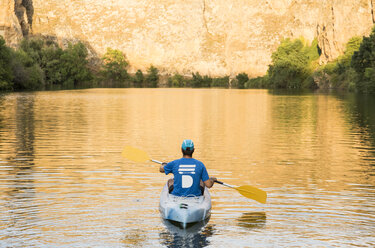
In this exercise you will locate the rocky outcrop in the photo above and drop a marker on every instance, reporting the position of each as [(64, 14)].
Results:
[(10, 27), (215, 37)]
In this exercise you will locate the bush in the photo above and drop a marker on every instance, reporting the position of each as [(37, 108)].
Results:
[(292, 64), (152, 78), (222, 82), (67, 68), (242, 78), (177, 81), (256, 83), (139, 79), (363, 62), (115, 66), (75, 65), (27, 74), (51, 64), (6, 75), (198, 81)]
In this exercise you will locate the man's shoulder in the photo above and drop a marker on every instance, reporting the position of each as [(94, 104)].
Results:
[(198, 162)]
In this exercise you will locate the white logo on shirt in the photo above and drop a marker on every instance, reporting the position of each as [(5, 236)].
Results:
[(185, 170)]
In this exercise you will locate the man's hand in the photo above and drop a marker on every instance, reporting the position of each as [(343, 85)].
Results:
[(161, 169), (210, 182)]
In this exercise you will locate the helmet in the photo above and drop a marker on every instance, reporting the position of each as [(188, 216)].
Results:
[(187, 145)]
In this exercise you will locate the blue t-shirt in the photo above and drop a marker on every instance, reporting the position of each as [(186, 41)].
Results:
[(188, 172)]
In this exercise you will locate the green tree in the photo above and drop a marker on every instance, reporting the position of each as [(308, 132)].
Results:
[(152, 77), (292, 63), (27, 74), (67, 68), (75, 65), (220, 82), (177, 81), (52, 65), (363, 62), (115, 65), (139, 79), (242, 78), (339, 73), (6, 75), (199, 81)]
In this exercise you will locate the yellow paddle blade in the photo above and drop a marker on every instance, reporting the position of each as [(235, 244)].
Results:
[(252, 193), (135, 154)]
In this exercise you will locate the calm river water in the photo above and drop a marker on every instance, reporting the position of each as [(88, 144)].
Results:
[(64, 183)]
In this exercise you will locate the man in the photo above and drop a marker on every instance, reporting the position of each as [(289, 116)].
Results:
[(188, 172)]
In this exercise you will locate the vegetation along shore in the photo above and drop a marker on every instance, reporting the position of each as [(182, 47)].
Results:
[(39, 63)]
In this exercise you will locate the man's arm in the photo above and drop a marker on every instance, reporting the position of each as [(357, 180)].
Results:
[(210, 182)]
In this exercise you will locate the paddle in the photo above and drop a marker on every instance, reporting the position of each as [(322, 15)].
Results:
[(248, 191)]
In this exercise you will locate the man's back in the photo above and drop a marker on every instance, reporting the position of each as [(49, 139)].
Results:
[(188, 172)]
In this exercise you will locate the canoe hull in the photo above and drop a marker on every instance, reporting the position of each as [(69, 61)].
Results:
[(184, 210)]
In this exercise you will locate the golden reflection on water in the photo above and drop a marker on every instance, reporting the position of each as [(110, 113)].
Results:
[(63, 177)]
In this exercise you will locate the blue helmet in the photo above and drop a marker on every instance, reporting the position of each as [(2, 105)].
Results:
[(187, 145)]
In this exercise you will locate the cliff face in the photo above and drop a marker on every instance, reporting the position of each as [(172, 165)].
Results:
[(216, 37)]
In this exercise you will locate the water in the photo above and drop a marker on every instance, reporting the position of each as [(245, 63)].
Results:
[(64, 183)]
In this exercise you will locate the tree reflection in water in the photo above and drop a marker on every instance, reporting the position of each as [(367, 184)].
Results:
[(193, 236), (252, 220)]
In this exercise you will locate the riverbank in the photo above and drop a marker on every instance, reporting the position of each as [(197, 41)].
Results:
[(40, 63)]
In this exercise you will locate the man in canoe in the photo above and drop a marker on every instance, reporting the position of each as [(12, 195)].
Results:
[(190, 175)]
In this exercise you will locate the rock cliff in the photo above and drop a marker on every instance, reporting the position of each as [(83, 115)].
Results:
[(215, 37)]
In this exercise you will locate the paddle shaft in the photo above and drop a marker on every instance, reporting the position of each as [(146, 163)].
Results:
[(230, 186), (156, 161)]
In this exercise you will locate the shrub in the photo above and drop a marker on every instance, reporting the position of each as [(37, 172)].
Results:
[(292, 63), (152, 78), (242, 78), (139, 79), (220, 82), (115, 66), (75, 65), (177, 81), (6, 75), (363, 62), (256, 83), (27, 74), (198, 81), (67, 67)]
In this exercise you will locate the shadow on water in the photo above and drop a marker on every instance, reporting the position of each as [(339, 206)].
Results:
[(193, 236), (252, 220), (361, 114)]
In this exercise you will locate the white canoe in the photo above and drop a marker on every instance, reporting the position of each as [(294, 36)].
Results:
[(184, 210)]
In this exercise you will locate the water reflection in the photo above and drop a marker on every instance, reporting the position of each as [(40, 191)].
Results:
[(19, 198), (63, 182), (194, 236), (252, 220), (362, 113)]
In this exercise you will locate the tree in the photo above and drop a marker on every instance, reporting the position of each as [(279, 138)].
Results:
[(6, 75), (27, 74), (74, 65), (177, 81), (291, 63), (115, 65), (363, 62), (242, 78), (139, 79), (152, 77)]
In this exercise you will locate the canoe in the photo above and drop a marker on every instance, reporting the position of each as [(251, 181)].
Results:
[(185, 210)]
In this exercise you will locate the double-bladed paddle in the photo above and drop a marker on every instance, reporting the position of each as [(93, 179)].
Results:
[(248, 191)]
